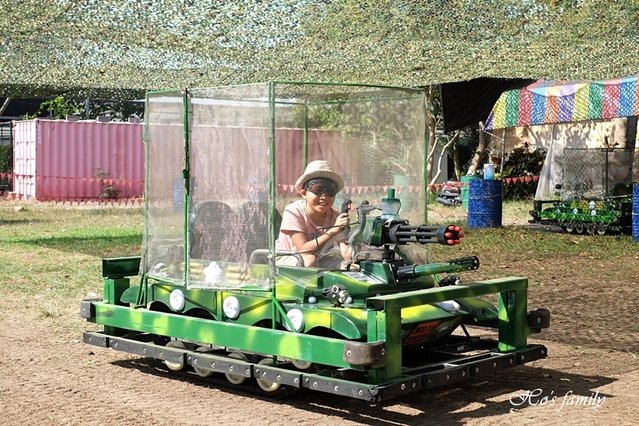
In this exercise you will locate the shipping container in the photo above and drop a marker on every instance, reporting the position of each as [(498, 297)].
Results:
[(77, 160)]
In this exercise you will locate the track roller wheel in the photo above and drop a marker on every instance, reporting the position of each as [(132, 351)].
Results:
[(590, 229), (202, 372), (301, 365), (601, 229), (569, 228), (579, 228), (236, 379), (267, 385), (175, 366)]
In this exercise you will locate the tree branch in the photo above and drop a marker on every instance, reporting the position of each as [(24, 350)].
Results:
[(4, 106)]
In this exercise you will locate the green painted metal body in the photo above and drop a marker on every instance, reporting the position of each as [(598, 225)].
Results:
[(379, 312)]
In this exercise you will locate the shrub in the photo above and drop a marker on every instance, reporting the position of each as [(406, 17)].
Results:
[(522, 162)]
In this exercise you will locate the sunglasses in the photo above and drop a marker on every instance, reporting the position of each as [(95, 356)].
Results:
[(321, 186)]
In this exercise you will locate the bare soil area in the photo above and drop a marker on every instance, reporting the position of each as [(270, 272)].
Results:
[(590, 377)]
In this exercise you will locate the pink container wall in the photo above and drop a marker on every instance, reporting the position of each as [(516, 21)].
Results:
[(24, 158), (61, 160)]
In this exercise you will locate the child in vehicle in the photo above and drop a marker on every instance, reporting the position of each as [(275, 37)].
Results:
[(311, 226)]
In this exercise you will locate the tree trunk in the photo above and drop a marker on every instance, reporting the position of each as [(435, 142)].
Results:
[(4, 106), (451, 141), (431, 123), (456, 161), (479, 152)]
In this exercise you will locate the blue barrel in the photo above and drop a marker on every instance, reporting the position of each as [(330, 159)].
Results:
[(485, 203), (635, 211)]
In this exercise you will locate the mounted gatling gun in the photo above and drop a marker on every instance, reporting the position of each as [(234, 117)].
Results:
[(202, 302), (387, 231)]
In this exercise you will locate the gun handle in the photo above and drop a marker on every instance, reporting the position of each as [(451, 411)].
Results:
[(346, 206)]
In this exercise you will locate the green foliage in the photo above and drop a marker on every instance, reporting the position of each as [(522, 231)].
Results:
[(6, 158), (118, 110), (6, 166), (386, 125), (61, 108), (522, 162), (467, 144), (58, 108)]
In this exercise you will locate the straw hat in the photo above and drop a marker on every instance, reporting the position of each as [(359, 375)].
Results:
[(319, 169)]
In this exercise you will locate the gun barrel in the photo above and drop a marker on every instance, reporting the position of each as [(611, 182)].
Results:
[(462, 264), (424, 234)]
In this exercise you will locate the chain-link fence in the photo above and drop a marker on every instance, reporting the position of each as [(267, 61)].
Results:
[(598, 172)]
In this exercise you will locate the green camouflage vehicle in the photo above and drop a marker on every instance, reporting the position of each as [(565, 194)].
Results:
[(610, 214), (596, 194), (209, 294)]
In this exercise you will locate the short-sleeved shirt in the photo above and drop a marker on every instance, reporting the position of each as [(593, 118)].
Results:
[(296, 219)]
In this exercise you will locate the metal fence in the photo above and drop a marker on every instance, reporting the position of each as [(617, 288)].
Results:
[(599, 172)]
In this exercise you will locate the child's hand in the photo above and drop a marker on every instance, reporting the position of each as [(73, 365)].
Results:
[(342, 221)]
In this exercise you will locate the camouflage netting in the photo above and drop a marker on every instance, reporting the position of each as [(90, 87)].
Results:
[(118, 48)]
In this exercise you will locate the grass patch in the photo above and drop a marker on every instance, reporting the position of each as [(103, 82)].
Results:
[(97, 231), (56, 251)]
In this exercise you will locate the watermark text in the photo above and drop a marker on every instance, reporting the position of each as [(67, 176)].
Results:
[(537, 397)]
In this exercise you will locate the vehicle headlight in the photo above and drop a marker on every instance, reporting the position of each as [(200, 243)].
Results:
[(297, 319), (231, 307), (176, 300)]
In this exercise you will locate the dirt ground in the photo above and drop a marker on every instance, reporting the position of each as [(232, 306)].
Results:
[(590, 377)]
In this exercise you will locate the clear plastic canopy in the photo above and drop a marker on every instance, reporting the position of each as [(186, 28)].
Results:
[(221, 165)]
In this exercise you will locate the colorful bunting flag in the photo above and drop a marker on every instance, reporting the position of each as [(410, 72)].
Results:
[(545, 102)]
